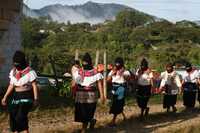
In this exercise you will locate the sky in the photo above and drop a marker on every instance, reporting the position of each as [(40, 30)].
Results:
[(172, 10)]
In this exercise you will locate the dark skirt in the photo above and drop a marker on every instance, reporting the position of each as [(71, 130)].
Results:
[(118, 98), (198, 98), (84, 112), (143, 95), (21, 105), (189, 98), (189, 94), (169, 100), (117, 106)]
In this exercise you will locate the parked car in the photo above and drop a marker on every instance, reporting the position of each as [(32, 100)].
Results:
[(43, 83)]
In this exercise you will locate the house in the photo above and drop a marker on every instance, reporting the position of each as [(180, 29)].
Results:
[(10, 37)]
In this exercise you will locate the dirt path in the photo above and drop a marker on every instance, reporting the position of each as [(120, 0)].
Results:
[(61, 121)]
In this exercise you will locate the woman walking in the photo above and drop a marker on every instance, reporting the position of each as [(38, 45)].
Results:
[(24, 90), (88, 80), (171, 85), (145, 82), (118, 77), (190, 86)]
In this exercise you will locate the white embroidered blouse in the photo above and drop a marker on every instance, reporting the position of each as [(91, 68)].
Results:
[(26, 79)]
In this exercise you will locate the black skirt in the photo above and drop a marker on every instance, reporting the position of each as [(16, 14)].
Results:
[(198, 98), (169, 100), (118, 98), (143, 95), (189, 98), (21, 105), (117, 106), (84, 112), (189, 94)]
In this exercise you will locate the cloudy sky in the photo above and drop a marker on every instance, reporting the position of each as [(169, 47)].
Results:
[(173, 10)]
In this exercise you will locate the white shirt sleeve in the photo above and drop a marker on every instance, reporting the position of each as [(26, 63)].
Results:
[(184, 75), (127, 73), (197, 74), (77, 78), (99, 76), (110, 73), (162, 83), (178, 81), (151, 75), (137, 72), (33, 76), (162, 77), (11, 77)]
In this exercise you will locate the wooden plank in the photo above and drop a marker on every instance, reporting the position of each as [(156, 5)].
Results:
[(6, 14), (4, 24), (15, 5)]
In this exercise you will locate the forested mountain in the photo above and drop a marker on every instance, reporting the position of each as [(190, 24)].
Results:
[(132, 35), (89, 12)]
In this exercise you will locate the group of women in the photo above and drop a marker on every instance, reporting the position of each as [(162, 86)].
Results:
[(87, 87), (170, 86)]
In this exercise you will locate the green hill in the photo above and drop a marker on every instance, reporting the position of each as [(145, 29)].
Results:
[(132, 35)]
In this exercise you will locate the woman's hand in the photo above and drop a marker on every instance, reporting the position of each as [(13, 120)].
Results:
[(103, 99), (35, 93), (36, 102), (161, 90), (4, 101), (8, 92)]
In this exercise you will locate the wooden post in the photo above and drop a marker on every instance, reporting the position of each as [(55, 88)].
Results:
[(105, 74), (54, 70), (76, 55), (97, 58)]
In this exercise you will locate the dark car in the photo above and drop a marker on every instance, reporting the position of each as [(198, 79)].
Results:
[(43, 83)]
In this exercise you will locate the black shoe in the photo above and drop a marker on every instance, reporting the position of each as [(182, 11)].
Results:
[(174, 109), (92, 123), (147, 111), (142, 113), (168, 110), (111, 125)]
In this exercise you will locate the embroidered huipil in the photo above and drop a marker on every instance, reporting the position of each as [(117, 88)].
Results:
[(171, 82), (86, 80)]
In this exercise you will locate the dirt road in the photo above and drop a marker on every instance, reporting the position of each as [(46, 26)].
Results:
[(61, 121)]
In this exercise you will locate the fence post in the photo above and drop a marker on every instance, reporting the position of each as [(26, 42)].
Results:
[(105, 74), (76, 54), (54, 69), (97, 58)]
